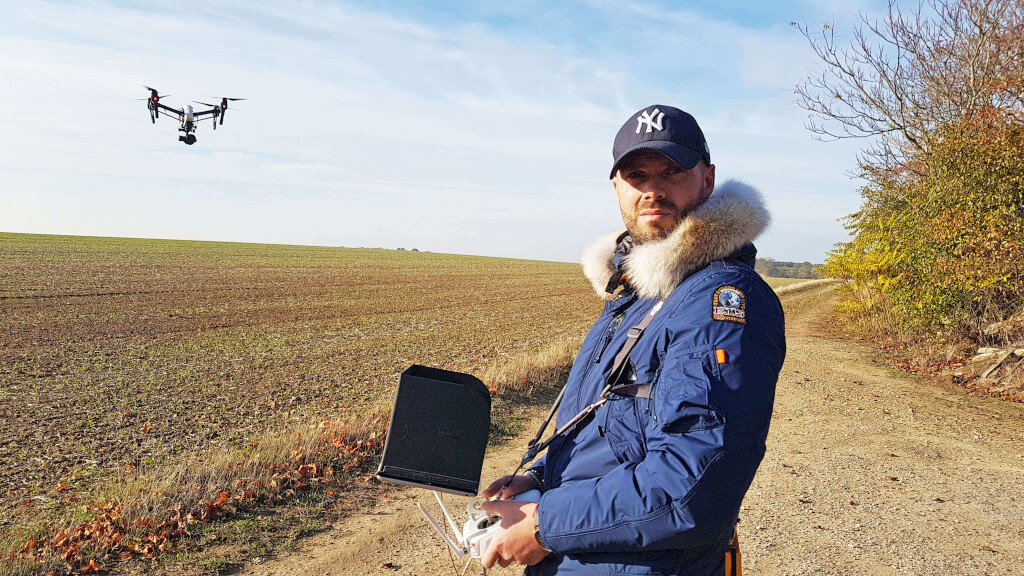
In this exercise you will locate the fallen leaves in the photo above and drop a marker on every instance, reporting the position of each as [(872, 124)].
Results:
[(110, 535)]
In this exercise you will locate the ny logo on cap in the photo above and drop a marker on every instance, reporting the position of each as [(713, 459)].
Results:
[(652, 119)]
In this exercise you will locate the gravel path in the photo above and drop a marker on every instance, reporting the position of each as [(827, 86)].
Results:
[(869, 471), (872, 471)]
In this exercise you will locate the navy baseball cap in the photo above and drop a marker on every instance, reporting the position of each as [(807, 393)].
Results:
[(665, 129)]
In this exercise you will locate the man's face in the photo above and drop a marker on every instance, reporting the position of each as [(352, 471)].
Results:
[(655, 193)]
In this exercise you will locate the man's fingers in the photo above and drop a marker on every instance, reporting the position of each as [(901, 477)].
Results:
[(513, 541), (494, 487), (490, 555), (490, 506)]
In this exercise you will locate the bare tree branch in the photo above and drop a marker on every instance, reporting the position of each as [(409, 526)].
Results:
[(904, 76)]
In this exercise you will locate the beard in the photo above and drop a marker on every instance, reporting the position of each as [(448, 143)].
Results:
[(642, 233)]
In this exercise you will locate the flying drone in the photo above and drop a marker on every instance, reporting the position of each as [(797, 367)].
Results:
[(188, 118)]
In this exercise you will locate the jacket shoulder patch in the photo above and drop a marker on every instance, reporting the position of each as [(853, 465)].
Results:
[(729, 304)]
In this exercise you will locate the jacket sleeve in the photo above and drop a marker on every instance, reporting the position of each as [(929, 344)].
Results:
[(707, 420)]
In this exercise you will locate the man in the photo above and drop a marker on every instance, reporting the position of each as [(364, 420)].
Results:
[(651, 482)]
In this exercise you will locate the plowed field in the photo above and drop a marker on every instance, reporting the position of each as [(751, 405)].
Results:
[(117, 353)]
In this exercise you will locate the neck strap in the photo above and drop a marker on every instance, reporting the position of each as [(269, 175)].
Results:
[(613, 383)]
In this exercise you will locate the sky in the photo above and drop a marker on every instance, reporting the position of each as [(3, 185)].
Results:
[(465, 127)]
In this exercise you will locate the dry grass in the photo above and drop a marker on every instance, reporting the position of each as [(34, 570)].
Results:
[(947, 355), (777, 283), (155, 375), (150, 494), (799, 285), (883, 325), (521, 375), (194, 481), (145, 512)]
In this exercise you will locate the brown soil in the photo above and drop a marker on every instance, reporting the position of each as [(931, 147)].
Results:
[(868, 471), (117, 354)]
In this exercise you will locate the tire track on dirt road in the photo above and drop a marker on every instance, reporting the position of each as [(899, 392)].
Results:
[(868, 471)]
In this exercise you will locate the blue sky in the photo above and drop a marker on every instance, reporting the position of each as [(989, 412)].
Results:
[(476, 128)]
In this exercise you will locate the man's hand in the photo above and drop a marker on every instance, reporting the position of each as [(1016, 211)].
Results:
[(519, 484), (514, 540)]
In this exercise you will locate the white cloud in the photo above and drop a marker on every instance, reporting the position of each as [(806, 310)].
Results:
[(367, 129)]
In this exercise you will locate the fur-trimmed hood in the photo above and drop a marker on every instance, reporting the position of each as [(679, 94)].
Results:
[(732, 216)]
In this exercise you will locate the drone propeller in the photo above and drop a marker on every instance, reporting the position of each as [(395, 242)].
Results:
[(224, 100), (224, 106), (154, 98), (154, 93), (205, 103)]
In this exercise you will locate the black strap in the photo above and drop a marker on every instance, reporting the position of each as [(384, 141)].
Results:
[(611, 385), (613, 282), (621, 362), (532, 449), (635, 390)]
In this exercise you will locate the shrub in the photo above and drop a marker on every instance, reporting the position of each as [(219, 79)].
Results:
[(944, 248)]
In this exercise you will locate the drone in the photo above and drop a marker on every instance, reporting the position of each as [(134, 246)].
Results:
[(187, 117)]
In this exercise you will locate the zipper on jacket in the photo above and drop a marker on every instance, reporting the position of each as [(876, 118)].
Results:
[(610, 333), (650, 400)]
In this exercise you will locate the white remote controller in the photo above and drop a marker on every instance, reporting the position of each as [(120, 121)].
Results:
[(477, 531), (481, 526)]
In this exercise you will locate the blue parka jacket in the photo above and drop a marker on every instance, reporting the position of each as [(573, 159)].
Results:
[(652, 482)]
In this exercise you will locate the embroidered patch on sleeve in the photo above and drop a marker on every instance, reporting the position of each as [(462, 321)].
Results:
[(729, 305)]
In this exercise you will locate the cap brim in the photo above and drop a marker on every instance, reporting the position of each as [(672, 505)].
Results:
[(685, 157)]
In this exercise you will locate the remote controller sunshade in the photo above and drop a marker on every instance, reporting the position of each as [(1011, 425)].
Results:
[(438, 431)]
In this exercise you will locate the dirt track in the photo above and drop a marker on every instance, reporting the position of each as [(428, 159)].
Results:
[(868, 471)]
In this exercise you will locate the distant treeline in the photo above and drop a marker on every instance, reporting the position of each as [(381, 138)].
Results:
[(777, 269)]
